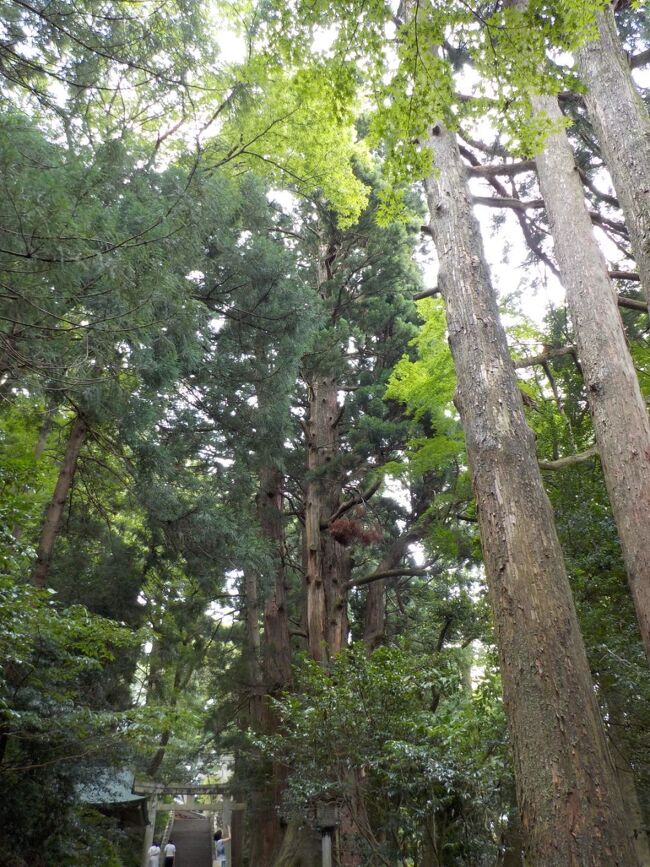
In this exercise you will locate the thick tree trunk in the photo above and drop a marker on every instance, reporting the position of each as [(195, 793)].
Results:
[(327, 562), (618, 410), (567, 789), (266, 831), (622, 125), (300, 848), (277, 647), (54, 514)]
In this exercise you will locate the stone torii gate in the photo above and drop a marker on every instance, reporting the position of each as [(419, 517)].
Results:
[(231, 812)]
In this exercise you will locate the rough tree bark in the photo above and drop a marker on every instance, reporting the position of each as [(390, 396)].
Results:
[(54, 514), (255, 688), (274, 672), (618, 410), (567, 789), (622, 125), (276, 653), (327, 561)]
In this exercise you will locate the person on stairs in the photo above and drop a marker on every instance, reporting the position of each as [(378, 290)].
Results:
[(220, 847)]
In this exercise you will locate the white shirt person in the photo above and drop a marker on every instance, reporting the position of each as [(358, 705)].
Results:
[(154, 855), (170, 854)]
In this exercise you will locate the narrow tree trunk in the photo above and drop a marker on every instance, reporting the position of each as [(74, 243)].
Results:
[(255, 687), (632, 807), (567, 789), (54, 514), (156, 762), (512, 855), (374, 621), (627, 779), (622, 125), (618, 410)]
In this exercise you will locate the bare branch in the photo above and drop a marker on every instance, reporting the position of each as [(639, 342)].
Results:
[(569, 460), (508, 202), (640, 59), (538, 204), (632, 303), (426, 293), (551, 352), (387, 573), (356, 500), (625, 275), (509, 169)]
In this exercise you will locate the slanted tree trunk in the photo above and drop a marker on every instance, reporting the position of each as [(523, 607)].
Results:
[(622, 126), (54, 514), (638, 825), (632, 807), (618, 410), (567, 789)]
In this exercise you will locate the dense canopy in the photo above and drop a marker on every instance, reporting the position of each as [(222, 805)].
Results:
[(324, 436)]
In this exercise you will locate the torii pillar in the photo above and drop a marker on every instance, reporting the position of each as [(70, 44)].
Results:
[(152, 809)]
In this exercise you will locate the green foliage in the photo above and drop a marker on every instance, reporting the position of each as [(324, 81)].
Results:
[(50, 720), (300, 134), (425, 385), (26, 480), (85, 67), (399, 736), (153, 282)]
